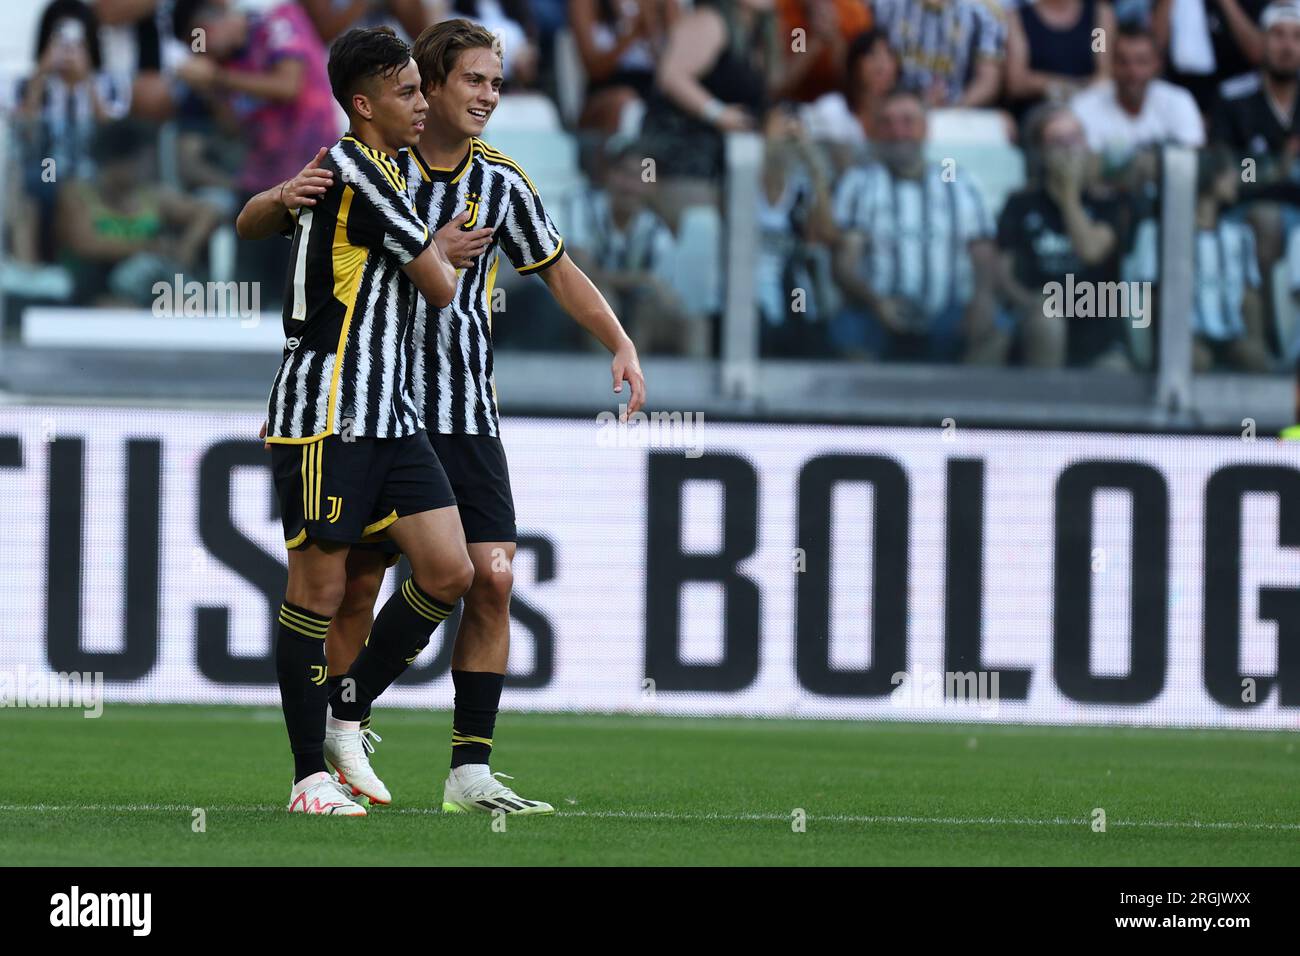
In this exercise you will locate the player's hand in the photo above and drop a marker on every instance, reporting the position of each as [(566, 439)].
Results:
[(734, 119), (627, 368), (462, 247), (199, 72), (308, 184), (261, 433)]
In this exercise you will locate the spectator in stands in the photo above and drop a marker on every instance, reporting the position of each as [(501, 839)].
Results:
[(1229, 311), (1209, 41), (915, 257), (119, 232), (264, 77), (334, 17), (1255, 119), (952, 51), (816, 55), (1256, 113), (791, 286), (630, 254), (715, 76), (1051, 230), (139, 49), (1053, 50), (618, 42), (1135, 108), (59, 108), (513, 21), (849, 117)]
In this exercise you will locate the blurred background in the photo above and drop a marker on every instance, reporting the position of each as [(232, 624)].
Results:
[(867, 225), (812, 215)]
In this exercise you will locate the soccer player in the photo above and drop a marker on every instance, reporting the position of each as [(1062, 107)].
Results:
[(349, 454), (481, 203)]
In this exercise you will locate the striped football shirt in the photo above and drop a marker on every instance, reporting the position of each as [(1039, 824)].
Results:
[(918, 232), (349, 307), (452, 365)]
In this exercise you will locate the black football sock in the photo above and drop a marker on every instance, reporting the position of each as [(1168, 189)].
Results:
[(478, 695), (402, 629), (334, 682), (302, 672)]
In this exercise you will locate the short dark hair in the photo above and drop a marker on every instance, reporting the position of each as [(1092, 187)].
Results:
[(438, 47), (360, 54), (860, 49), (1134, 30), (69, 10), (187, 13)]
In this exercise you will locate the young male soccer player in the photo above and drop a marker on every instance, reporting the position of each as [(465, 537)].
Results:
[(480, 202), (350, 457)]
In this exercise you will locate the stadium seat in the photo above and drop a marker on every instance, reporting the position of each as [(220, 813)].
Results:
[(977, 141), (698, 276), (969, 127), (998, 171), (550, 157), (524, 112)]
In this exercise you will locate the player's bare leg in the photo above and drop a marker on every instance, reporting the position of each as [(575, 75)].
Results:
[(478, 667), (434, 544), (352, 622)]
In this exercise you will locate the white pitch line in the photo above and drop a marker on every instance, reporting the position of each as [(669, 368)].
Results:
[(650, 815)]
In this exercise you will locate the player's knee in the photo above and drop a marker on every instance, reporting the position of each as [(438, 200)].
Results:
[(359, 598), (491, 590), (460, 578), (322, 597), (448, 580)]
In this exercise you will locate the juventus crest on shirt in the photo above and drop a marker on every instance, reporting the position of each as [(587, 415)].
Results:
[(452, 377)]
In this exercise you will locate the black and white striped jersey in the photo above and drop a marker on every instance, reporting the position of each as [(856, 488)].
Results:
[(452, 373), (918, 232), (349, 307)]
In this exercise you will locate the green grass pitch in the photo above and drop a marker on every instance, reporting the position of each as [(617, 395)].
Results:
[(630, 790)]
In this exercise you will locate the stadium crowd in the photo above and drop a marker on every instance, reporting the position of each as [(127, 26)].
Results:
[(930, 167)]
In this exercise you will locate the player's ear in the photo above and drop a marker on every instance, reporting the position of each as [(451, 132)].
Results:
[(361, 106)]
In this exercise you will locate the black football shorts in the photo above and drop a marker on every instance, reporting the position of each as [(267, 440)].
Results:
[(351, 491)]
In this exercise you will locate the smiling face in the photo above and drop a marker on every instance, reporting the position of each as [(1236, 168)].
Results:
[(473, 89), (396, 108)]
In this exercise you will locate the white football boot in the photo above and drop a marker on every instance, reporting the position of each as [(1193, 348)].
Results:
[(319, 793), (345, 751), (473, 788)]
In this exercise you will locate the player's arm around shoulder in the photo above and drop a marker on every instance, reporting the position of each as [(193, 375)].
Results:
[(273, 210), (579, 297)]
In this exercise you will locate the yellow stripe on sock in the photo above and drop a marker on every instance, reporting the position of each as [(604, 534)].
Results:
[(420, 605), (300, 629), (469, 739), (303, 621)]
